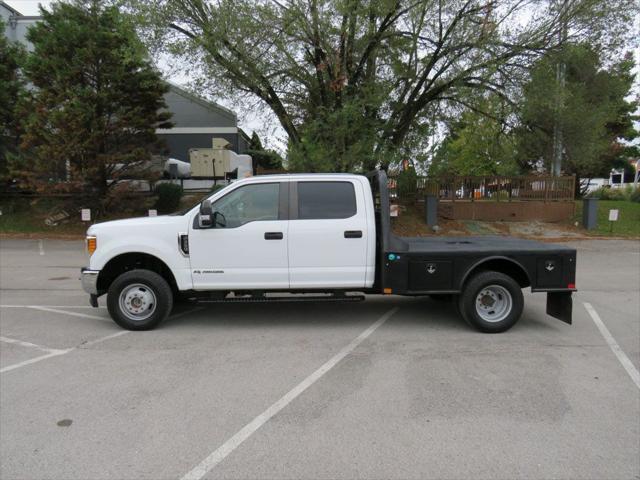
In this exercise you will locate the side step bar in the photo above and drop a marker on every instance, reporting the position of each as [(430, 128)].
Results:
[(283, 299)]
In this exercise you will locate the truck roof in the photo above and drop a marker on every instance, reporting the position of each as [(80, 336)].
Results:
[(300, 176)]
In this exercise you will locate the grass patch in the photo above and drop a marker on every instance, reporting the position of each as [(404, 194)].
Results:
[(628, 224), (25, 216)]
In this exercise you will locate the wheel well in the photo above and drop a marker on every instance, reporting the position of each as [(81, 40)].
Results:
[(131, 261), (502, 265)]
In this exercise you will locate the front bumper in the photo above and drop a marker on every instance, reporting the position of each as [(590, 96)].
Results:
[(89, 279)]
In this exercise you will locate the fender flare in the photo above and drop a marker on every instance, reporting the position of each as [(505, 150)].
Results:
[(500, 258)]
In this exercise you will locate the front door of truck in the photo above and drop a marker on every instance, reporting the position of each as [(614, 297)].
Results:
[(246, 248)]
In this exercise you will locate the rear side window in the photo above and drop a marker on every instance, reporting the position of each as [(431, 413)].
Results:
[(326, 200)]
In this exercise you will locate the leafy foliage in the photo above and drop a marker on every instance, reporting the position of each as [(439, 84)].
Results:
[(12, 87), (478, 143), (90, 119), (591, 121), (407, 184), (267, 159), (169, 196), (607, 193), (353, 82)]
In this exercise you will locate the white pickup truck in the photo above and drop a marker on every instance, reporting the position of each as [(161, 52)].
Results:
[(327, 236)]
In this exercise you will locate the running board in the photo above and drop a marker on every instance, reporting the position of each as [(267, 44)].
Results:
[(285, 299)]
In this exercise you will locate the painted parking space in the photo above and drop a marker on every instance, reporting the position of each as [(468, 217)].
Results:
[(420, 396)]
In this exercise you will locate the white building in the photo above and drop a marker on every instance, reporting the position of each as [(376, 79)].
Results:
[(196, 121), (16, 24)]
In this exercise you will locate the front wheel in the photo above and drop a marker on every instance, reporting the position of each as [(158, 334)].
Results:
[(492, 302), (139, 300)]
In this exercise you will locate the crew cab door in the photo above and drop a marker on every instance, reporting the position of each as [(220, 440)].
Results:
[(247, 245), (327, 234)]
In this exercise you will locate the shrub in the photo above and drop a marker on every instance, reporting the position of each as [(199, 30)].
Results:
[(217, 187), (407, 185), (608, 193), (122, 199), (169, 196)]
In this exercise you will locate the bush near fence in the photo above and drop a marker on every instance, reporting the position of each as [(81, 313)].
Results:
[(607, 193)]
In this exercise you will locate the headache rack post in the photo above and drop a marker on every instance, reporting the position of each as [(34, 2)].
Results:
[(386, 241)]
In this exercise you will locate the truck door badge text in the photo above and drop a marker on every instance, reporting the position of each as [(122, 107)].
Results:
[(197, 272)]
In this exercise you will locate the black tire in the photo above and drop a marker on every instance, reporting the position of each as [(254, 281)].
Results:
[(455, 301), (503, 291), (151, 287)]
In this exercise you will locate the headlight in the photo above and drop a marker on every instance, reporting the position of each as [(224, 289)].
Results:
[(92, 244)]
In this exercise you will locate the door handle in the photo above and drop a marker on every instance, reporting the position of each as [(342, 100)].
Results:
[(353, 234), (273, 236)]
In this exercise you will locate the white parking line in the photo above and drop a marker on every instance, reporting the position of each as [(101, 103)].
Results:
[(24, 344), (65, 312), (41, 247), (249, 429), (100, 340), (615, 348), (54, 352), (51, 352), (34, 360)]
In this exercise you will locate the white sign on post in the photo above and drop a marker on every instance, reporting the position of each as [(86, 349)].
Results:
[(613, 215), (153, 213), (394, 210), (85, 214)]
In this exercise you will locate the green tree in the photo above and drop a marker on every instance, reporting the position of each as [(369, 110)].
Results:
[(591, 110), (351, 80), (12, 88), (479, 142), (267, 159), (97, 101), (255, 143)]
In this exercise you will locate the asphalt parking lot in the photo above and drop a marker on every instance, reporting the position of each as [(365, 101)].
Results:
[(386, 388)]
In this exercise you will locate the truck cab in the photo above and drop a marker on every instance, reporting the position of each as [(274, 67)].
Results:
[(322, 234)]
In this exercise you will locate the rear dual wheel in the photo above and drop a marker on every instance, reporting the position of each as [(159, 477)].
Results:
[(491, 302)]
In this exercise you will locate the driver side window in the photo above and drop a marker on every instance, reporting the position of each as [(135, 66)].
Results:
[(246, 204)]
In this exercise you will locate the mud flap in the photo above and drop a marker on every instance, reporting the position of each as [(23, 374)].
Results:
[(93, 300), (560, 305)]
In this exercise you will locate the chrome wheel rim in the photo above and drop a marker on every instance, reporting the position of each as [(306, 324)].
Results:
[(493, 303), (137, 302)]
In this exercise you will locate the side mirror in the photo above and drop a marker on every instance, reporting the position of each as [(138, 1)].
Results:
[(205, 218)]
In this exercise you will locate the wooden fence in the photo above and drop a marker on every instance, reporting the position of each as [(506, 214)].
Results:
[(492, 188)]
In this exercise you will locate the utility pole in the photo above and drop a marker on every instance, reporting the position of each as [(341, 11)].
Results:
[(561, 70)]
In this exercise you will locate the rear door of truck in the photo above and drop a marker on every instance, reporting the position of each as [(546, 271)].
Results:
[(327, 234)]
